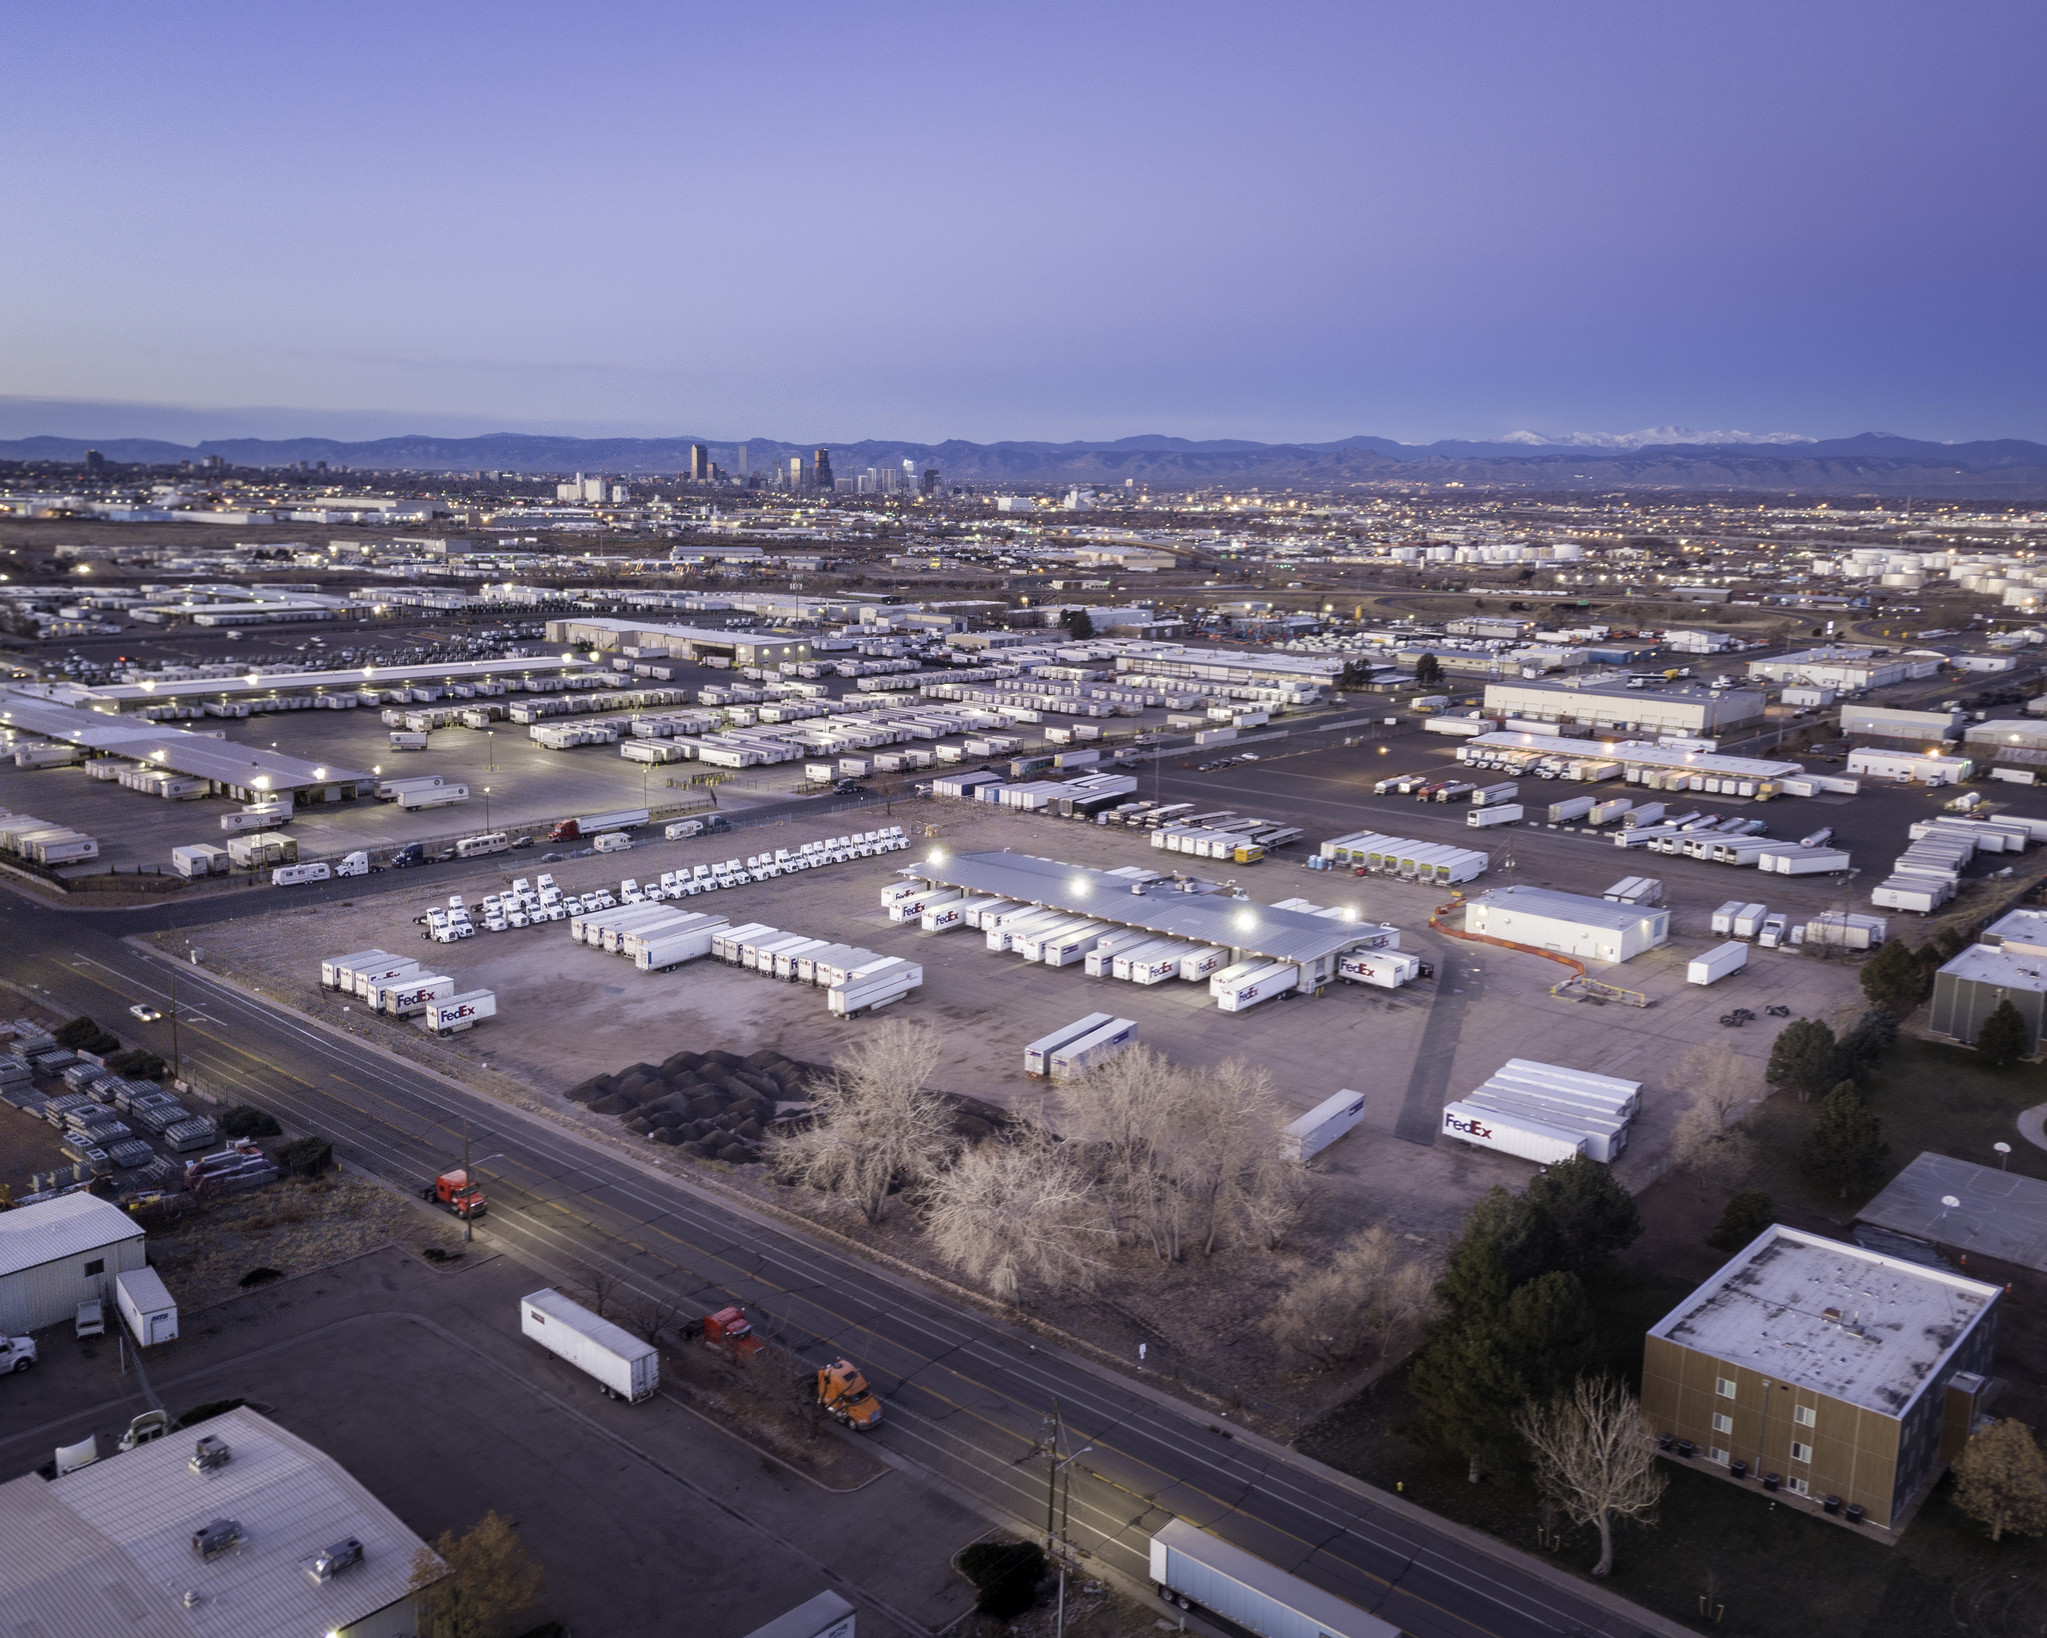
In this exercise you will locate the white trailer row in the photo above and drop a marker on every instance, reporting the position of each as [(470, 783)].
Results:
[(1072, 1050), (1435, 863), (1546, 1113), (400, 987), (854, 980)]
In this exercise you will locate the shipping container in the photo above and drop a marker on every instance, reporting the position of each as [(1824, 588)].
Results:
[(1520, 1135), (624, 1366), (1723, 918), (1323, 1125), (1717, 962), (1748, 920), (1194, 1569), (1038, 1053), (146, 1305), (1074, 1058)]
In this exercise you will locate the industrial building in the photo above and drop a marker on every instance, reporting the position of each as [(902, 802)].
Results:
[(237, 1529), (1998, 1213), (1689, 709), (1635, 757), (1843, 667), (2007, 963), (1909, 767), (1246, 929), (1882, 722), (56, 1254), (737, 647), (2007, 741), (1833, 1375), (1567, 923)]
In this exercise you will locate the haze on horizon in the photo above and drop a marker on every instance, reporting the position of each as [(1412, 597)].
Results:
[(1287, 223)]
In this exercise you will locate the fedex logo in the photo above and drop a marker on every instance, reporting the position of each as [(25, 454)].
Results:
[(1471, 1128)]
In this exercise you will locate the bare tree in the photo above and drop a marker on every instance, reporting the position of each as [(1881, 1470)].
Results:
[(1223, 1156), (1019, 1210), (650, 1315), (1370, 1300), (876, 1126), (1593, 1460), (597, 1285), (1709, 1138), (1129, 1106)]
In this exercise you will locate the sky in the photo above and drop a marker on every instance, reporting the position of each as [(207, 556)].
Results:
[(1283, 221)]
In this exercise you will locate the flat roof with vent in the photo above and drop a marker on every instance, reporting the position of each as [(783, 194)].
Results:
[(108, 1548), (1998, 1213), (1835, 1318)]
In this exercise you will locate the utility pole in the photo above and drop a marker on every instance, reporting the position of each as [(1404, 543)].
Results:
[(1057, 1518), (177, 1073)]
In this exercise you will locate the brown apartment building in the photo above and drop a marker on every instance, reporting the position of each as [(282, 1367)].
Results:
[(1823, 1374)]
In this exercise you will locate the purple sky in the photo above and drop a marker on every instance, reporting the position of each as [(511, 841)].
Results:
[(1039, 221)]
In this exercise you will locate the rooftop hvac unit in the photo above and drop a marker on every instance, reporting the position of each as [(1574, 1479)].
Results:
[(211, 1455), (220, 1536), (331, 1560)]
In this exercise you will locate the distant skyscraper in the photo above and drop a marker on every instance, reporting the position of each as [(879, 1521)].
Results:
[(96, 462), (796, 473), (699, 464), (821, 471), (929, 485)]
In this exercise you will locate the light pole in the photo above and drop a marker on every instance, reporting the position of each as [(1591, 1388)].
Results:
[(1056, 1519), (486, 807), (2003, 1156), (490, 750)]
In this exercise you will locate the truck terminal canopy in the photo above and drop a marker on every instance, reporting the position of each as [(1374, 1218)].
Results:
[(1156, 907)]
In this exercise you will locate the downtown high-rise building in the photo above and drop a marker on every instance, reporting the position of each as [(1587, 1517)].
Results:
[(821, 471), (795, 479), (699, 464)]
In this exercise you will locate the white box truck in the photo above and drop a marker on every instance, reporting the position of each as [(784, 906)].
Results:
[(1323, 1125), (1196, 1570), (1076, 1057), (624, 1366), (146, 1305), (1520, 1135), (1245, 985), (1037, 1056), (1717, 962)]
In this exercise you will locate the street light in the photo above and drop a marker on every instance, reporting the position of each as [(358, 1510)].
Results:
[(2003, 1155)]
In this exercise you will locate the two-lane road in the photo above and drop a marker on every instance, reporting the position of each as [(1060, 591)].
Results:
[(967, 1397)]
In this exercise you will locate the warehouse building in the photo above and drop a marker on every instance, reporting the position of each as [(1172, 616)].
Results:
[(2007, 741), (1516, 749), (1567, 923), (1843, 667), (56, 1254), (737, 647), (1831, 1376), (1917, 727), (2007, 963), (1689, 709), (1909, 767), (226, 1532)]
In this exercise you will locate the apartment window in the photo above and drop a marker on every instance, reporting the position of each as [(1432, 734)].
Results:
[(1724, 1387), (1716, 1454), (1805, 1416), (1722, 1422), (97, 1266), (1798, 1487), (1800, 1453)]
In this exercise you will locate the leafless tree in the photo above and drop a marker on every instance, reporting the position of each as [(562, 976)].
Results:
[(876, 1126), (597, 1285), (1369, 1300), (1224, 1158), (1709, 1138), (650, 1315), (1129, 1106), (1018, 1210), (1593, 1460)]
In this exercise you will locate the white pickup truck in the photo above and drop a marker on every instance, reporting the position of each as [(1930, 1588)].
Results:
[(16, 1353)]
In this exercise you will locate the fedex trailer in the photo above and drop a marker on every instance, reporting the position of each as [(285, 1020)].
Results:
[(458, 1012), (1037, 1056), (1383, 969), (1099, 962), (1245, 985), (1323, 1125), (1078, 1056), (1520, 1135), (670, 949), (406, 996)]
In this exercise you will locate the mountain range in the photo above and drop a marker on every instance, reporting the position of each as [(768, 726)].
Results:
[(1874, 463)]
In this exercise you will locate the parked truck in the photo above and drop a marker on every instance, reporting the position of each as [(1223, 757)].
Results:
[(432, 796), (1195, 1570), (623, 1366), (595, 824), (454, 1193), (844, 1394)]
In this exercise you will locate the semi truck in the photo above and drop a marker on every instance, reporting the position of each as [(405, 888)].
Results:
[(844, 1394), (455, 1194), (595, 824), (624, 1367), (1194, 1570)]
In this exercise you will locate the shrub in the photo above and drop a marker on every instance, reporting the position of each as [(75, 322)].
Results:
[(1748, 1213), (245, 1122), (306, 1157), (137, 1064), (1005, 1575), (260, 1276), (80, 1032)]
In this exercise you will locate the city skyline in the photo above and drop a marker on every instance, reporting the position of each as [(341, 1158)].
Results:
[(1057, 225)]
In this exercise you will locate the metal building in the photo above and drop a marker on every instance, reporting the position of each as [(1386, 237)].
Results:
[(1568, 923), (59, 1253)]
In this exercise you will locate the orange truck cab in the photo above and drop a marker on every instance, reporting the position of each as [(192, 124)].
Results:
[(451, 1191), (728, 1329), (843, 1391)]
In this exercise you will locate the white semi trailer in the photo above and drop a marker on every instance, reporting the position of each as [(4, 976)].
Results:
[(1196, 1570), (624, 1366)]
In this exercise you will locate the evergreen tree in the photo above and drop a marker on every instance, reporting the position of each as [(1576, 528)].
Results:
[(1549, 1333), (1802, 1057), (1874, 1037), (1748, 1213), (1844, 1149), (2004, 1038), (1469, 1392), (1079, 624), (1895, 978), (1517, 1231), (1592, 1215), (1428, 670)]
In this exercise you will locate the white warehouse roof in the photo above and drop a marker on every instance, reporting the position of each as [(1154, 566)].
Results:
[(41, 1233), (108, 1548), (1635, 753)]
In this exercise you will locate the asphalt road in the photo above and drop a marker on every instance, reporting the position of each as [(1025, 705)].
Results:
[(968, 1398)]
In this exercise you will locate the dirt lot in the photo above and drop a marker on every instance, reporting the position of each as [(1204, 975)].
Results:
[(294, 1226), (566, 1011)]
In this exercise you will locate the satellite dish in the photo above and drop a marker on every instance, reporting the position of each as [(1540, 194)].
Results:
[(1949, 1201)]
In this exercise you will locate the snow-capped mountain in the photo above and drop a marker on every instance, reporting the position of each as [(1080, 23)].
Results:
[(1651, 435)]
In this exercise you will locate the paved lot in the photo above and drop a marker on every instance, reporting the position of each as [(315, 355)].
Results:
[(645, 1517)]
